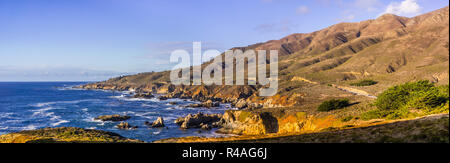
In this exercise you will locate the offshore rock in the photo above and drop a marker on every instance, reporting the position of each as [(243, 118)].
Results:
[(158, 122), (126, 126), (114, 118)]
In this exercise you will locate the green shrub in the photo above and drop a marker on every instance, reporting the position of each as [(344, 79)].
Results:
[(333, 104), (364, 83), (414, 94), (398, 101)]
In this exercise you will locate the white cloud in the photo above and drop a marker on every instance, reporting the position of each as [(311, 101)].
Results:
[(302, 10), (404, 8)]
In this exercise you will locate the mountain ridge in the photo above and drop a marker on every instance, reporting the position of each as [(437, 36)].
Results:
[(390, 49)]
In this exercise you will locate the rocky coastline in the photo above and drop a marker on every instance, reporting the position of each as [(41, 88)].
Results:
[(241, 121)]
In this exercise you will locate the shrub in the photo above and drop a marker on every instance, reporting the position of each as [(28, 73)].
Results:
[(364, 83), (413, 93), (333, 104), (398, 101)]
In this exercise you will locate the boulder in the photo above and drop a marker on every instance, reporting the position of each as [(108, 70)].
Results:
[(125, 126), (158, 122), (114, 118)]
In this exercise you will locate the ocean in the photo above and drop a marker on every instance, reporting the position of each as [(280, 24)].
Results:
[(34, 105)]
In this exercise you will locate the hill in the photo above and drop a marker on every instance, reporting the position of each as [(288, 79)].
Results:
[(356, 61)]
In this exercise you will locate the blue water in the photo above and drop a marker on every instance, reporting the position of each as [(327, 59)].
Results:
[(27, 106)]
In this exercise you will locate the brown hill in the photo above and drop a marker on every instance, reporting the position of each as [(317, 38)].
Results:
[(390, 50)]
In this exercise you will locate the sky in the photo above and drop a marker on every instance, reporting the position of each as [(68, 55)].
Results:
[(92, 40)]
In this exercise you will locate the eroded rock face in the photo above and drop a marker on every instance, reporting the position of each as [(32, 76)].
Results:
[(248, 123), (245, 122), (199, 121), (126, 126), (114, 118)]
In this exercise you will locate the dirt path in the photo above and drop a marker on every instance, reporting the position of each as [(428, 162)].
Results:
[(342, 88), (353, 91)]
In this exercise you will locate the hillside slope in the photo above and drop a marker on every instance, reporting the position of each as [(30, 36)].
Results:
[(390, 50)]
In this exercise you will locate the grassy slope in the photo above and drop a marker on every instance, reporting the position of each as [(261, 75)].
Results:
[(429, 129), (390, 50)]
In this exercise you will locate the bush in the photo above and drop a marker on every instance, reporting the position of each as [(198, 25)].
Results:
[(364, 83), (333, 104), (398, 101), (419, 94)]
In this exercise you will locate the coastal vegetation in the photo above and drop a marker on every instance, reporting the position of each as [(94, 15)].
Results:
[(366, 82), (411, 99)]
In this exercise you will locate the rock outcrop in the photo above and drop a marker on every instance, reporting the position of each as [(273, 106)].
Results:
[(126, 126), (157, 123), (144, 95), (244, 122), (199, 120), (207, 104), (114, 118)]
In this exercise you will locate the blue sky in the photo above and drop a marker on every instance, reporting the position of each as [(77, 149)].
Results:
[(89, 40)]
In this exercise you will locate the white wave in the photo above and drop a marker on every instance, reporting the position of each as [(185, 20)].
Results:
[(142, 99), (42, 111), (62, 102), (66, 88), (170, 118), (146, 115), (43, 104), (60, 122), (6, 115), (30, 127), (149, 105)]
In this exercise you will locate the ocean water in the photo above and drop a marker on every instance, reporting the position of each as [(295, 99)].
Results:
[(34, 105)]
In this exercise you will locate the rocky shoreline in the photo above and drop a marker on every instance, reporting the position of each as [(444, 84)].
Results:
[(243, 121)]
